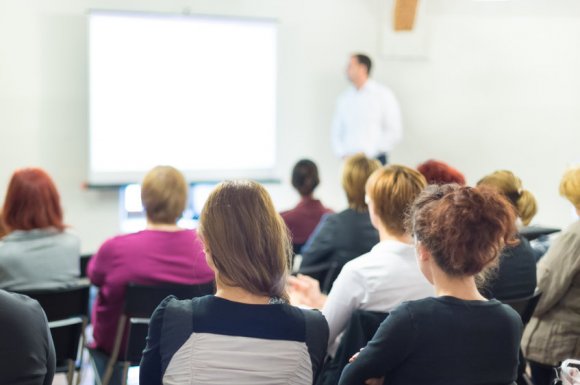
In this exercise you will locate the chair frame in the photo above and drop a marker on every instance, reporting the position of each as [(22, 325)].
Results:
[(73, 318), (129, 317)]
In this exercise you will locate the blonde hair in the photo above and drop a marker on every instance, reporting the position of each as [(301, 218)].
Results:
[(511, 186), (164, 194), (570, 186), (246, 239), (393, 189), (356, 171)]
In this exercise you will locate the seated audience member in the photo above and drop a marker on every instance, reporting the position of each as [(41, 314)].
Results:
[(343, 236), (387, 275), (37, 252), (437, 172), (26, 347), (303, 219), (246, 333), (516, 274), (458, 337), (553, 333), (163, 253)]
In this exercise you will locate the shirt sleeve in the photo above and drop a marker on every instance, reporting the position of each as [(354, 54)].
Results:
[(346, 295), (556, 271), (320, 244), (391, 345), (150, 372), (392, 124), (100, 263)]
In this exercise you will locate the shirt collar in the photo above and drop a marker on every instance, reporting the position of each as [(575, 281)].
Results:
[(394, 247)]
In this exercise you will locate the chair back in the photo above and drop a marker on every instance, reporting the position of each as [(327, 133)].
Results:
[(325, 273), (84, 263), (140, 303), (525, 306), (360, 330), (67, 313)]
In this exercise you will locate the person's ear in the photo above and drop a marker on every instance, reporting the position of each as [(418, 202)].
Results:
[(422, 253)]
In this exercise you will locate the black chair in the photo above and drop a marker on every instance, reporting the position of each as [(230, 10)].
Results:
[(534, 232), (67, 313), (140, 302), (325, 273), (360, 330), (84, 263), (525, 306)]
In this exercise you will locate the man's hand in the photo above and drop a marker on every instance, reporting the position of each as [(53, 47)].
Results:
[(305, 290)]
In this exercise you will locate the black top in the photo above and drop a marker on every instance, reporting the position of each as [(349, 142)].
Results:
[(516, 275), (340, 237), (442, 341), (26, 351), (174, 321)]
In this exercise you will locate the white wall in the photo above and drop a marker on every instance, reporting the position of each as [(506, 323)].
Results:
[(499, 89)]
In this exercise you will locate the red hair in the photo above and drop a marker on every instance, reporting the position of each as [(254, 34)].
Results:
[(32, 201), (437, 172), (464, 228)]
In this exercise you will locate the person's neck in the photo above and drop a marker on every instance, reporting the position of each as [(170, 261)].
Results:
[(162, 226), (360, 83), (385, 235), (309, 197), (237, 294), (460, 287)]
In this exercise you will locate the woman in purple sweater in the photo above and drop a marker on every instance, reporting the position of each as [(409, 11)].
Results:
[(161, 253)]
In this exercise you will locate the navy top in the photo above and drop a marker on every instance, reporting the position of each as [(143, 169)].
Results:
[(442, 341), (175, 323)]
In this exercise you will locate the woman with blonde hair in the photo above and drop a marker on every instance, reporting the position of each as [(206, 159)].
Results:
[(343, 236), (388, 274), (246, 333), (554, 331), (515, 276), (162, 253)]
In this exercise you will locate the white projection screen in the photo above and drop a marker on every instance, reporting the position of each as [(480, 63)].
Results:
[(194, 92)]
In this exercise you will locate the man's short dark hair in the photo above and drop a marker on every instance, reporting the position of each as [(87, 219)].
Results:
[(364, 60), (305, 177)]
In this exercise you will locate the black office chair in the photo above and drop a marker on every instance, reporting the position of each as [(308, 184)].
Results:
[(360, 330), (67, 313), (325, 273), (140, 302), (84, 263), (525, 306)]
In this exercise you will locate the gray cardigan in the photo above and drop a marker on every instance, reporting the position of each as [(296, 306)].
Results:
[(38, 259)]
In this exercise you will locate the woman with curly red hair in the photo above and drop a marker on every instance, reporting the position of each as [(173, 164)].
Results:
[(457, 337)]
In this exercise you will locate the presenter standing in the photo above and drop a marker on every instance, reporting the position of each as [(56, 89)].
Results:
[(367, 117)]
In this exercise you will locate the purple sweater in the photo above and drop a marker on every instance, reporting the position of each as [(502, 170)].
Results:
[(145, 257)]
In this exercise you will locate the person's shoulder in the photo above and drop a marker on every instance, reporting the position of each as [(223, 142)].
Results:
[(314, 319), (17, 304)]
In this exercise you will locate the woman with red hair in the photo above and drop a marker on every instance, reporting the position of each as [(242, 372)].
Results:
[(37, 252), (437, 172)]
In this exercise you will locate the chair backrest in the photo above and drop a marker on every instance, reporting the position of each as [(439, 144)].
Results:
[(325, 273), (525, 306), (141, 301), (67, 313), (360, 330), (84, 263)]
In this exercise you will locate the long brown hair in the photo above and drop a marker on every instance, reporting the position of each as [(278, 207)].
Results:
[(246, 239)]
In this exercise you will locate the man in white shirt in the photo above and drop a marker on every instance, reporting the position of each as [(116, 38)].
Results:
[(384, 277), (367, 116)]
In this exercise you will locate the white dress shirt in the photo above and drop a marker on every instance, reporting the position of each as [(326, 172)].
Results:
[(366, 120), (377, 281)]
